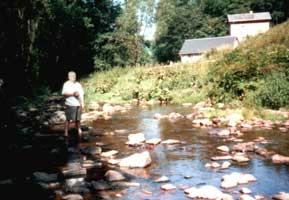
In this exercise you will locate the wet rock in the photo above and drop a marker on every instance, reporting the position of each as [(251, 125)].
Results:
[(233, 179), (174, 116), (135, 139), (168, 187), (44, 177), (162, 179), (259, 197), (246, 197), (93, 106), (225, 165), (229, 183), (100, 185), (281, 196), (74, 172), (108, 109), (279, 159), (140, 160), (203, 122), (240, 158), (160, 116), (204, 192), (121, 131), (153, 141), (263, 152), (125, 184), (113, 161), (91, 150), (245, 191), (57, 117), (113, 175), (109, 154), (81, 187), (213, 165), (216, 158), (72, 197), (244, 147), (224, 149), (283, 129), (171, 141), (224, 132), (91, 165)]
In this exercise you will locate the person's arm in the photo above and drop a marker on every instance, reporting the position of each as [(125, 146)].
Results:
[(81, 96), (65, 91)]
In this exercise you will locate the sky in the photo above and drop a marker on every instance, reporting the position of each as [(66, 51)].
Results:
[(149, 30)]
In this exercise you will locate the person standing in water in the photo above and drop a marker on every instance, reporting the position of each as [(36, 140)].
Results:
[(74, 101)]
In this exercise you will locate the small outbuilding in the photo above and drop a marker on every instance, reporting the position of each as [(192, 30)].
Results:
[(193, 49)]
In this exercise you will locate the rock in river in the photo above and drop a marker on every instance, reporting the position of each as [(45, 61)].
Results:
[(72, 197), (135, 139), (168, 187), (281, 196), (205, 192), (223, 148), (136, 160), (44, 177), (113, 175), (246, 197), (153, 141), (162, 179), (279, 159)]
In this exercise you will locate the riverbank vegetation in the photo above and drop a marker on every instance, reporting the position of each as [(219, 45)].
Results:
[(251, 75)]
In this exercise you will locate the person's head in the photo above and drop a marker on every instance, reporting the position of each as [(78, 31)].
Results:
[(72, 76)]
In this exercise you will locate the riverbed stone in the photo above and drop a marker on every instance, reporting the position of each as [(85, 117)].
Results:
[(279, 159), (235, 178), (171, 141), (91, 150), (135, 139), (162, 179), (112, 175), (245, 190), (216, 158), (137, 160), (246, 197), (223, 149), (45, 177), (109, 154), (168, 187), (244, 147), (203, 122), (204, 192), (100, 185), (72, 197), (281, 196), (225, 165), (153, 141), (240, 158)]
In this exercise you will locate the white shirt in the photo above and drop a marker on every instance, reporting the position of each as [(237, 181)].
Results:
[(70, 88)]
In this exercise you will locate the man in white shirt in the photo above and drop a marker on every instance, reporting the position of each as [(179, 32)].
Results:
[(74, 101)]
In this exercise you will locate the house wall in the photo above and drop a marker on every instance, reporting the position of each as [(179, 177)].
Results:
[(191, 58), (242, 30)]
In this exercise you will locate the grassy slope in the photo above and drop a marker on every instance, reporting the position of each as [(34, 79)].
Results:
[(226, 76)]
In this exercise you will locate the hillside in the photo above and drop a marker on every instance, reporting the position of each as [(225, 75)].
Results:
[(256, 74)]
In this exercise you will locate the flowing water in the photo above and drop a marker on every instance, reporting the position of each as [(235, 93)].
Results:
[(183, 163)]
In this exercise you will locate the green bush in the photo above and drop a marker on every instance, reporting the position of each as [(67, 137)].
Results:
[(274, 93)]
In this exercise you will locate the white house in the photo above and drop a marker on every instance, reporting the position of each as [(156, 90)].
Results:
[(248, 24), (193, 49)]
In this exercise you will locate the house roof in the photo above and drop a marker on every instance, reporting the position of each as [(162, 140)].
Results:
[(245, 17), (202, 45)]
